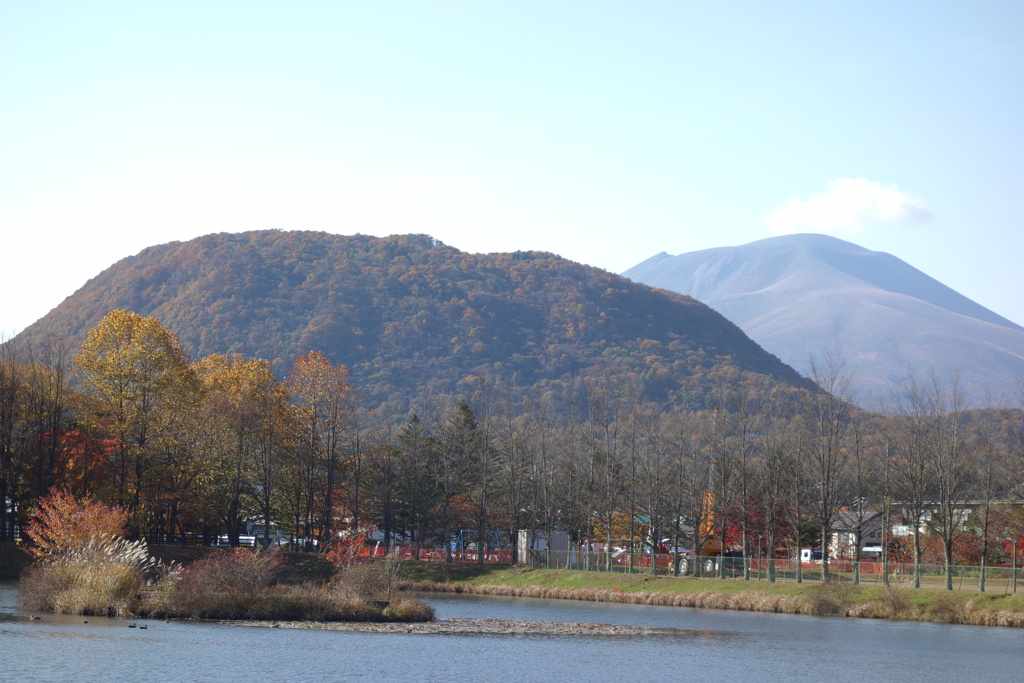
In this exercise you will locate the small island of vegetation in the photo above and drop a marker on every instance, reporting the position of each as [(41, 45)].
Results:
[(85, 566)]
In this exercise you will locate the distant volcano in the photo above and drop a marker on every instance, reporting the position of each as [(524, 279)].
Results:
[(809, 296)]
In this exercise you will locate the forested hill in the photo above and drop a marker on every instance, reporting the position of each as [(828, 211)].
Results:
[(406, 312)]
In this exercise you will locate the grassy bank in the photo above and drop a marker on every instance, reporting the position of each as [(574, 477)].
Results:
[(898, 602)]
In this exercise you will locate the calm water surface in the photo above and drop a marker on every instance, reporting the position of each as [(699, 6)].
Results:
[(711, 645)]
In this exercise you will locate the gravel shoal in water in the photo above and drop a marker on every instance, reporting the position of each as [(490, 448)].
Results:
[(470, 626)]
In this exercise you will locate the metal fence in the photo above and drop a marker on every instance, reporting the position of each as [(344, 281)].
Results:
[(996, 579)]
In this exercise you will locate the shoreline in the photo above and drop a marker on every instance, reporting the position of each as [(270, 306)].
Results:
[(896, 603)]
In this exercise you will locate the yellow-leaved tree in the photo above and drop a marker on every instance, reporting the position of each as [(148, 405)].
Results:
[(138, 384), (245, 410)]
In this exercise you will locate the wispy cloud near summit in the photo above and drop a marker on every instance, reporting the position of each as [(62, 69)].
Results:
[(846, 207)]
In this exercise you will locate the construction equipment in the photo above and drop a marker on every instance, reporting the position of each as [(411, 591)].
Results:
[(710, 549)]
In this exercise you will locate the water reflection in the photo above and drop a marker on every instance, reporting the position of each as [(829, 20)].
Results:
[(729, 644)]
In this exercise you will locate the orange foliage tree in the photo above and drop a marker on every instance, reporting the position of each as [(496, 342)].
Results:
[(63, 522)]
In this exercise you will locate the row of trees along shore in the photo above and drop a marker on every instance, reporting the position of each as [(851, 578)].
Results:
[(195, 449)]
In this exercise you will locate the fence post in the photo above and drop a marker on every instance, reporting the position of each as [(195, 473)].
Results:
[(1015, 564)]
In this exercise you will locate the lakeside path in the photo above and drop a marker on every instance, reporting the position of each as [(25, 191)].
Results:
[(464, 626)]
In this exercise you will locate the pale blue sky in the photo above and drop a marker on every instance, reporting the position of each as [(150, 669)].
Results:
[(604, 132)]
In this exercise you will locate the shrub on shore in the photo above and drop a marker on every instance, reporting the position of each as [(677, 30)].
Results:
[(409, 610), (63, 522), (240, 584), (895, 600), (83, 566), (228, 584), (369, 580), (830, 599)]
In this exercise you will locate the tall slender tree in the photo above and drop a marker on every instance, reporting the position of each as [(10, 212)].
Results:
[(953, 463), (911, 462), (12, 424), (460, 448), (418, 486), (322, 396), (826, 447)]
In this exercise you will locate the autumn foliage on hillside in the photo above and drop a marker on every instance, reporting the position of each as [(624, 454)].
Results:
[(407, 314)]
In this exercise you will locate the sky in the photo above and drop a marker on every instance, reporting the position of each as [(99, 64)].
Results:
[(605, 132)]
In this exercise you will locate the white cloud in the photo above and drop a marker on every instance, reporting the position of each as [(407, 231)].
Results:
[(848, 206)]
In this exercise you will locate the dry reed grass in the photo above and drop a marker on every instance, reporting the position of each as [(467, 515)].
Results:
[(993, 617), (103, 577), (831, 599)]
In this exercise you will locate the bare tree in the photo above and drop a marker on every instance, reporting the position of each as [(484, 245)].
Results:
[(745, 419), (556, 468), (608, 401), (684, 496), (651, 479), (699, 518), (48, 411), (778, 468), (864, 489), (953, 468), (991, 478), (911, 465), (826, 449), (514, 453)]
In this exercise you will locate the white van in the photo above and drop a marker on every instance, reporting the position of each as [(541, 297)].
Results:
[(810, 556)]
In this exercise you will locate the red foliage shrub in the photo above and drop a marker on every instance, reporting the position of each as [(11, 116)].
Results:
[(232, 572), (63, 523)]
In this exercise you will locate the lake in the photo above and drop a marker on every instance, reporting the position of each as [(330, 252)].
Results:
[(709, 644)]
